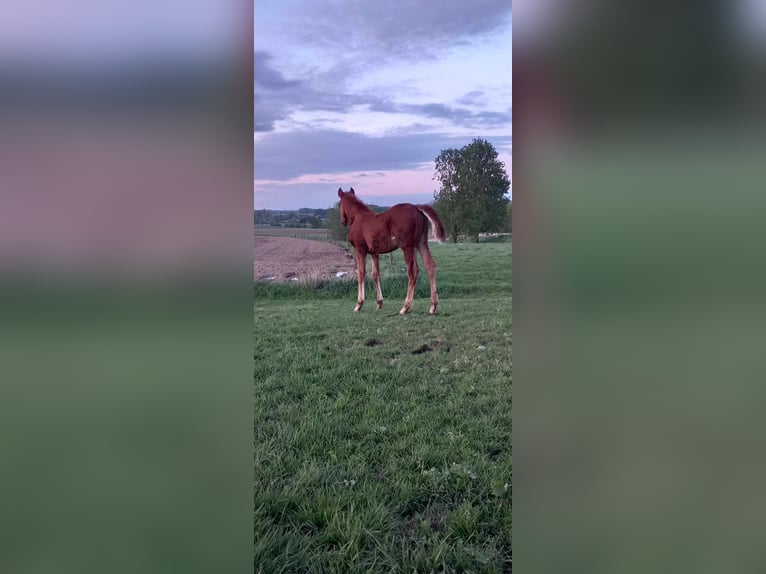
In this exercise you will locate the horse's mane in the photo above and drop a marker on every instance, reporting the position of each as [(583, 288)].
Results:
[(358, 203)]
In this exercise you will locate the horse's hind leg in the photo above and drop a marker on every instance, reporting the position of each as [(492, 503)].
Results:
[(412, 274), (361, 264), (376, 278), (428, 261)]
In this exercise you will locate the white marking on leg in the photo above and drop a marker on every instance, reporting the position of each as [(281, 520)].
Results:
[(359, 291)]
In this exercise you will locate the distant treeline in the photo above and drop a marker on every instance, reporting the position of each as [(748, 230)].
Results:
[(304, 217), (330, 219)]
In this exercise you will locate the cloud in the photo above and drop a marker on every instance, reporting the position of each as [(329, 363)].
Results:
[(461, 116), (471, 98), (374, 174), (458, 116), (268, 84), (382, 188), (397, 29), (266, 112), (276, 98), (287, 155), (266, 77)]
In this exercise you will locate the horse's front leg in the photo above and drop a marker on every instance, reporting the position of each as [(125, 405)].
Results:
[(361, 264)]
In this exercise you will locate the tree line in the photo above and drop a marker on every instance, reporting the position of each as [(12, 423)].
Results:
[(304, 217)]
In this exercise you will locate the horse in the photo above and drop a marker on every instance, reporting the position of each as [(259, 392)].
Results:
[(403, 226)]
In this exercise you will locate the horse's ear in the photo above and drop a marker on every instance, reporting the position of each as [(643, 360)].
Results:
[(351, 191), (340, 192)]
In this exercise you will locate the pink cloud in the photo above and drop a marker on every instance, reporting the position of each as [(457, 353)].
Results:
[(381, 183), (381, 187)]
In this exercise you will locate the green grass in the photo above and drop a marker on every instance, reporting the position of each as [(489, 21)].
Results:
[(299, 232), (383, 443)]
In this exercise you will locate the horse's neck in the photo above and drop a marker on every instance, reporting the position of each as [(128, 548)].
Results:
[(360, 209)]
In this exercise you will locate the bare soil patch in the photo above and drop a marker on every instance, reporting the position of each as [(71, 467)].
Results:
[(293, 259)]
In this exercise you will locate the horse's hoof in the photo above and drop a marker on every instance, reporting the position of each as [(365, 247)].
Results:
[(403, 312), (379, 305), (357, 309)]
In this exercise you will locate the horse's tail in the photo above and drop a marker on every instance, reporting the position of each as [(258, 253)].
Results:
[(436, 223)]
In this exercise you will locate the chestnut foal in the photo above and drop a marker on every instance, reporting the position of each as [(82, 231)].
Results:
[(405, 227)]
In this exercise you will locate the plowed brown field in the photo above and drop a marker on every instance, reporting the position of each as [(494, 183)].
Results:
[(290, 258)]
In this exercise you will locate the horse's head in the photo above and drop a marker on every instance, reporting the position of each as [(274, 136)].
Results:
[(343, 209)]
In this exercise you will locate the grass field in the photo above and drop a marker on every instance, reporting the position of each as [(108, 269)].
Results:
[(299, 232), (383, 443)]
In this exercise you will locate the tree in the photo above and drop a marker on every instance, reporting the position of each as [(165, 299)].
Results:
[(473, 186), (508, 227), (314, 222), (335, 227)]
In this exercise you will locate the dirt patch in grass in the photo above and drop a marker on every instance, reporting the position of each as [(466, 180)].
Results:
[(430, 346)]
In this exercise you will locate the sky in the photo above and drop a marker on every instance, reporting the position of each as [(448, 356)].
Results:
[(354, 93)]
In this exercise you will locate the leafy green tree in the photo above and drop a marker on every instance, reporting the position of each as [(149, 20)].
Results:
[(332, 221), (507, 228), (473, 187)]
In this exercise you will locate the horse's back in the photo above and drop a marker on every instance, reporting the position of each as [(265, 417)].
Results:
[(405, 212), (403, 207), (408, 223), (402, 225)]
